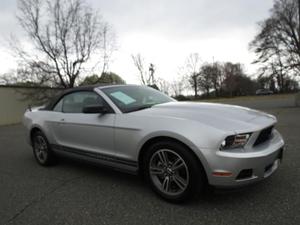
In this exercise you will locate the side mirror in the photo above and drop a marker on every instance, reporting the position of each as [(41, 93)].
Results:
[(95, 109)]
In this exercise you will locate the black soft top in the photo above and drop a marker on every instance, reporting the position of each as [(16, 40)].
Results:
[(55, 99)]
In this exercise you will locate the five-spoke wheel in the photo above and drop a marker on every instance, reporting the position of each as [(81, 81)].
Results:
[(169, 172), (41, 149), (173, 171)]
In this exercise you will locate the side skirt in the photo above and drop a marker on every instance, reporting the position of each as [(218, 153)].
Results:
[(116, 163)]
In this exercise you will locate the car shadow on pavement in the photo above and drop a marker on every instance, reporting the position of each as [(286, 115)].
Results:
[(211, 196)]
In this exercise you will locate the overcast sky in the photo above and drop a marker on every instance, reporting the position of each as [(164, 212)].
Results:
[(165, 32)]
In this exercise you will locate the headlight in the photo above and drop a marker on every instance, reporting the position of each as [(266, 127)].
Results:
[(235, 141)]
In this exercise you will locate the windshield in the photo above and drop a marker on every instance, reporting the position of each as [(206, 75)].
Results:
[(133, 98)]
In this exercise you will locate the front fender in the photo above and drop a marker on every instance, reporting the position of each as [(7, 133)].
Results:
[(177, 137)]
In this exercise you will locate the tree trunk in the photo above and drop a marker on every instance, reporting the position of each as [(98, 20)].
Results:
[(216, 90), (298, 18), (195, 86), (72, 82)]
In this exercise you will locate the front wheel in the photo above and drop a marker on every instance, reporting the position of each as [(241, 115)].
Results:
[(173, 171)]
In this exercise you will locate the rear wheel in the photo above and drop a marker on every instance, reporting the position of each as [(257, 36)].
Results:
[(41, 149), (173, 171)]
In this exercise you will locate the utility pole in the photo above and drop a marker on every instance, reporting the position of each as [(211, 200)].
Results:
[(151, 71)]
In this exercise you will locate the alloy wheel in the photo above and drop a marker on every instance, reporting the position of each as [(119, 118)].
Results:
[(41, 149), (169, 172)]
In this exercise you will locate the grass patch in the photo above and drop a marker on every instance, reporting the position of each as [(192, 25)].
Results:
[(249, 98)]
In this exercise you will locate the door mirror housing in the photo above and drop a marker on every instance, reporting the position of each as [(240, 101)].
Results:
[(95, 109)]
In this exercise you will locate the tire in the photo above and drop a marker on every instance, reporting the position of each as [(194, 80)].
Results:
[(173, 172), (42, 150)]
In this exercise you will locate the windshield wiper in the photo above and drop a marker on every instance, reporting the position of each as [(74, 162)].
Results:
[(139, 108)]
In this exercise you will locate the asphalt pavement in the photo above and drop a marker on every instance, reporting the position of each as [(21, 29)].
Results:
[(77, 193)]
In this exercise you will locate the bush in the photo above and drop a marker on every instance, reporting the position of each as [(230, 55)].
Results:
[(182, 98)]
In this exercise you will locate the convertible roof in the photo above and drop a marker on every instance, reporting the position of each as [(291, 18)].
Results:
[(55, 99)]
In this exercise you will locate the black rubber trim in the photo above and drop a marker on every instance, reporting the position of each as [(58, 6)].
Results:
[(95, 155), (264, 136)]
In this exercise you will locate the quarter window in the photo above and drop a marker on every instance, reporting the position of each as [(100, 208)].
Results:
[(58, 106)]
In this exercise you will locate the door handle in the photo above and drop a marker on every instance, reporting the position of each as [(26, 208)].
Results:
[(62, 120)]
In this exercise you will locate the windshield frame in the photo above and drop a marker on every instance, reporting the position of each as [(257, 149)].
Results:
[(105, 91)]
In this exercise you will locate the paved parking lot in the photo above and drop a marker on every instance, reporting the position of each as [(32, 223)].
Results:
[(76, 193)]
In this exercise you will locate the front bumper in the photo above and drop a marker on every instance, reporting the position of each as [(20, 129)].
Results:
[(242, 167)]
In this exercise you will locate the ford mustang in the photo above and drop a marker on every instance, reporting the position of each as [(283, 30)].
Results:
[(178, 147)]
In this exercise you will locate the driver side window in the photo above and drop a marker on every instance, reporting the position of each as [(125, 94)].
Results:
[(75, 102)]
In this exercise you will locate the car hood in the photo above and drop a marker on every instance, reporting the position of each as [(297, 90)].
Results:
[(220, 116)]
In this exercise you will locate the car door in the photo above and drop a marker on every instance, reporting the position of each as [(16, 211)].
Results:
[(77, 131)]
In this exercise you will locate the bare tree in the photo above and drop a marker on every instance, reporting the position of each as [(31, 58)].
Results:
[(163, 85), (108, 46), (31, 84), (146, 75), (232, 73), (277, 45), (139, 64), (211, 77), (105, 78), (217, 77), (193, 71), (178, 85), (64, 35), (27, 76), (205, 80)]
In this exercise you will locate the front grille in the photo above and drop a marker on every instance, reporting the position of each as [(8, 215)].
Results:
[(264, 135)]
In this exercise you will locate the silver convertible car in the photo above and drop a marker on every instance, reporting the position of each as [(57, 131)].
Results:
[(178, 147)]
